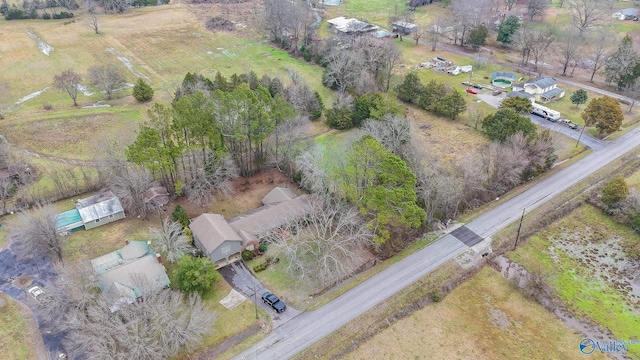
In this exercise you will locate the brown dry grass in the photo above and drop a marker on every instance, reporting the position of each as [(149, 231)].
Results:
[(449, 140), (19, 335), (484, 318)]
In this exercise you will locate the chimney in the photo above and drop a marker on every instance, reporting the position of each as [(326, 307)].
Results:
[(159, 257), (126, 242)]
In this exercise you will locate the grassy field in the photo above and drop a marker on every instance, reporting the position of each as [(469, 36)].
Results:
[(171, 43), (16, 337), (484, 318), (583, 254)]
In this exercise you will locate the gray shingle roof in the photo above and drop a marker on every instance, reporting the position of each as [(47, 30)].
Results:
[(551, 93), (212, 230), (269, 217), (278, 195), (545, 82)]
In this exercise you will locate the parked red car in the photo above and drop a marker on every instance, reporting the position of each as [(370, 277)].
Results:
[(472, 91)]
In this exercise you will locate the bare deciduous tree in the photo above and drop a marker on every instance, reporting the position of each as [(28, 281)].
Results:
[(92, 16), (536, 8), (38, 232), (344, 66), (393, 131), (293, 134), (568, 49), (632, 91), (586, 14), (116, 6), (543, 39), (158, 327), (108, 78), (170, 240), (599, 52), (69, 82), (323, 247), (435, 32), (286, 21), (129, 183), (214, 178)]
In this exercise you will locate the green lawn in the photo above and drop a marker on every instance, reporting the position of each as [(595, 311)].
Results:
[(578, 279), (16, 337)]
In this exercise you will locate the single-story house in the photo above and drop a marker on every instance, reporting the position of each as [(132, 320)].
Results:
[(404, 27), (91, 212), (130, 272), (626, 14), (224, 240), (213, 235), (351, 26), (544, 89)]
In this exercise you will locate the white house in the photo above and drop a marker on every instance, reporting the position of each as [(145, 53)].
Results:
[(626, 14), (543, 89)]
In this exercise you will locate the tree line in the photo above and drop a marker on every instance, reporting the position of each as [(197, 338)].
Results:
[(216, 130)]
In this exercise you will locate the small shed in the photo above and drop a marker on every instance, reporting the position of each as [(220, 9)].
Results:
[(404, 27), (213, 235), (157, 196), (100, 209)]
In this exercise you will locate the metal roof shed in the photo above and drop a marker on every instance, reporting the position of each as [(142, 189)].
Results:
[(100, 209)]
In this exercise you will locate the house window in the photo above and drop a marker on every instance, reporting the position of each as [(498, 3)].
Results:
[(225, 249), (111, 216), (97, 220)]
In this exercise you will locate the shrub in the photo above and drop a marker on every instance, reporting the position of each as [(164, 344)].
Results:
[(47, 106), (615, 191), (263, 247), (142, 91), (15, 14), (261, 267), (194, 275), (247, 255), (180, 215), (63, 15)]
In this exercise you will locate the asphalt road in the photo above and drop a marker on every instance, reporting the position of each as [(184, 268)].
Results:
[(308, 328)]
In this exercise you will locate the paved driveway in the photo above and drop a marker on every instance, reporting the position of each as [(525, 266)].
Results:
[(586, 139), (243, 281)]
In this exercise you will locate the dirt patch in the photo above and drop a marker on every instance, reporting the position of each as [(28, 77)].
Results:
[(22, 281), (247, 195)]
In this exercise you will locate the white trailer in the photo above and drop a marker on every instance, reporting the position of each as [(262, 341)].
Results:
[(545, 113)]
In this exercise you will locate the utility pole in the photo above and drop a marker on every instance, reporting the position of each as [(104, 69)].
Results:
[(255, 297), (519, 227), (580, 136)]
